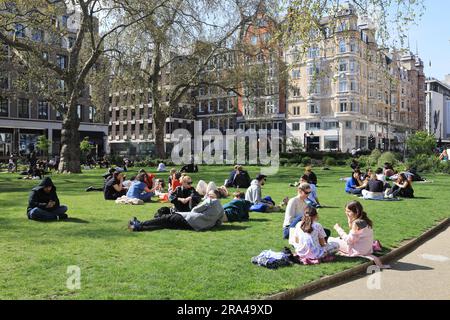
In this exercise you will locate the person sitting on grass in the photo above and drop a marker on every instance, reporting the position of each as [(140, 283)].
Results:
[(171, 176), (296, 208), (374, 189), (237, 209), (43, 203), (161, 167), (358, 242), (140, 190), (354, 184), (205, 216), (150, 179), (309, 239), (312, 178), (108, 175), (239, 178), (253, 195), (114, 187), (312, 200), (402, 188), (184, 197)]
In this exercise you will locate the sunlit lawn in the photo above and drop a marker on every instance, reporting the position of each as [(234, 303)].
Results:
[(167, 264)]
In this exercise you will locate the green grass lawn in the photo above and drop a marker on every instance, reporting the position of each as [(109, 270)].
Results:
[(169, 264)]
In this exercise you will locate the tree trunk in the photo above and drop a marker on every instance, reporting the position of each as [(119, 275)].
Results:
[(70, 141), (159, 115)]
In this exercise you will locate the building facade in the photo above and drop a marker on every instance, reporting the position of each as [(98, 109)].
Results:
[(349, 93), (24, 115), (438, 109)]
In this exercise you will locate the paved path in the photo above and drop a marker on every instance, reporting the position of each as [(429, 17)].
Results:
[(424, 274)]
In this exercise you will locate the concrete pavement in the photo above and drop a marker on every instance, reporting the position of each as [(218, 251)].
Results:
[(424, 274)]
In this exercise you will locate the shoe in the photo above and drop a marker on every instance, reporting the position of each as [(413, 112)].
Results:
[(91, 188), (134, 225)]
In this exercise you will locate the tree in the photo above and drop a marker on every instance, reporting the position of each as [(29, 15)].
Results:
[(421, 143), (43, 144), (85, 48), (174, 53), (85, 148)]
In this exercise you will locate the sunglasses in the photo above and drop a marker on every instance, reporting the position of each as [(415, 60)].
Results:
[(307, 192), (189, 183)]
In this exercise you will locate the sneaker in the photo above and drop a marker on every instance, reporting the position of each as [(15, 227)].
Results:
[(134, 225)]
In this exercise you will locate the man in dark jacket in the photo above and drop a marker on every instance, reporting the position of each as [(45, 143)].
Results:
[(185, 198), (43, 204), (239, 178)]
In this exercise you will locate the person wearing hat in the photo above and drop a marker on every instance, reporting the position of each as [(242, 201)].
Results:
[(43, 203)]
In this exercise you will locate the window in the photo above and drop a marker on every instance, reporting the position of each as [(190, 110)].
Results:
[(353, 85), (24, 108), (80, 112), (331, 125), (363, 126), (342, 66), (296, 74), (271, 107), (313, 109), (210, 106), (348, 124), (353, 47), (343, 86), (58, 113), (342, 46), (312, 126), (313, 52), (296, 92), (20, 30), (61, 61), (354, 106), (4, 107), (43, 110), (45, 55), (91, 113), (4, 82), (64, 21), (254, 40), (38, 36), (70, 42), (296, 126), (296, 110), (343, 106)]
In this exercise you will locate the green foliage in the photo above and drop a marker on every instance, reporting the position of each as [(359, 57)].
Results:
[(306, 161), (43, 144), (444, 167), (330, 161), (387, 157), (85, 146), (421, 143), (374, 157), (425, 163)]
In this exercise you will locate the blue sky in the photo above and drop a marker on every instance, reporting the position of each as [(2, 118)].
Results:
[(432, 36)]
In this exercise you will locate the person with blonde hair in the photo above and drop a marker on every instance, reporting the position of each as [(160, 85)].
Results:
[(185, 197), (202, 188)]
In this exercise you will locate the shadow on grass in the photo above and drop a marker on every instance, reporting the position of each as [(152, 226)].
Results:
[(228, 227), (258, 220), (76, 220), (403, 266), (420, 198)]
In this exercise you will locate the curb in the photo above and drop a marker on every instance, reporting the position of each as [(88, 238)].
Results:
[(344, 276)]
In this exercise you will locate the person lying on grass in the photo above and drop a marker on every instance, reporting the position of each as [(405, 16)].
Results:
[(237, 209), (358, 242), (309, 238), (43, 203), (205, 216)]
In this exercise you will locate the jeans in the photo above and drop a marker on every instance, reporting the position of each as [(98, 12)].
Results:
[(146, 197), (167, 221), (39, 214), (354, 191)]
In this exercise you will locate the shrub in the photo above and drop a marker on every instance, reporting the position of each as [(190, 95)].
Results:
[(284, 161), (421, 143), (329, 161), (444, 167), (306, 161), (425, 163), (365, 161), (293, 161), (374, 157), (387, 157)]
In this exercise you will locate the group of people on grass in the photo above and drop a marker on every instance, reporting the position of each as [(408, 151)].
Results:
[(199, 211), (374, 185)]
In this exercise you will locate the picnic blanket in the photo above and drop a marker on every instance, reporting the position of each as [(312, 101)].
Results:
[(126, 200)]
